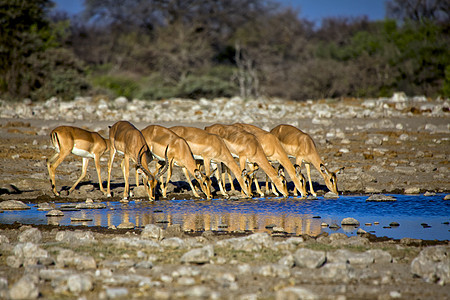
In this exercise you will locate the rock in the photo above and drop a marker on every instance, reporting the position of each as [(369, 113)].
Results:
[(354, 258), (174, 243), (74, 237), (380, 198), (338, 236), (350, 222), (306, 258), (32, 235), (295, 293), (433, 264), (337, 272), (287, 261), (79, 283), (199, 255), (13, 205), (126, 225), (152, 232), (331, 195), (405, 170), (71, 259), (120, 102), (412, 190), (116, 292), (44, 207), (29, 250), (380, 256), (140, 192), (55, 213), (447, 197), (24, 288), (90, 206), (351, 241)]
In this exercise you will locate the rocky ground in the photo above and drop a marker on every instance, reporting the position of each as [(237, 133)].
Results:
[(387, 145)]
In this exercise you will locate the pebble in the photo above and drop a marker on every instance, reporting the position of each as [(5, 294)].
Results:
[(350, 221), (380, 198)]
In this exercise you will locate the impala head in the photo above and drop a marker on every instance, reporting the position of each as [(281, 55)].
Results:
[(301, 178), (330, 178), (247, 182), (150, 181), (205, 183), (283, 181)]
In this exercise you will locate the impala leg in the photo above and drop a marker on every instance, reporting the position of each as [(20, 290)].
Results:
[(137, 177), (206, 189), (83, 174), (52, 164), (169, 175), (110, 163), (308, 171), (97, 167), (125, 165), (185, 171), (230, 179), (221, 184), (255, 180)]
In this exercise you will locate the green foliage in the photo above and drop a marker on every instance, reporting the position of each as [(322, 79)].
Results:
[(446, 85), (118, 85), (57, 72)]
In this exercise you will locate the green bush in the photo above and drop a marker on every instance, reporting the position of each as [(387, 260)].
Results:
[(216, 82), (56, 72), (118, 85), (446, 85)]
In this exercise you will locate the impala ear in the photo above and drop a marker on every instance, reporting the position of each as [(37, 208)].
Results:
[(340, 171), (280, 171), (212, 173), (324, 169), (244, 173), (197, 174)]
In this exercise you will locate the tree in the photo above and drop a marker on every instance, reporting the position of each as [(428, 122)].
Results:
[(24, 31)]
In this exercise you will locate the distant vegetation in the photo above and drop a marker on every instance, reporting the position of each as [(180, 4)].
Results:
[(158, 49)]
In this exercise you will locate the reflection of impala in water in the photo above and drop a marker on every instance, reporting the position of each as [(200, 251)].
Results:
[(223, 221)]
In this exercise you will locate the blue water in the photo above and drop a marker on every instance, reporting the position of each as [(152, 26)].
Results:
[(293, 215)]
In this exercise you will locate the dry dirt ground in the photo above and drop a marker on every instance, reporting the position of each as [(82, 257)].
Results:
[(397, 164)]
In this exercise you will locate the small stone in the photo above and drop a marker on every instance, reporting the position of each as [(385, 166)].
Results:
[(331, 195), (295, 293), (24, 288), (153, 232), (350, 221), (32, 235), (118, 292), (380, 198), (306, 258), (199, 255), (55, 213), (394, 224), (412, 190), (126, 225), (447, 197)]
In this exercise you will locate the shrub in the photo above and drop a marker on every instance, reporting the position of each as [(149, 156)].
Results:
[(118, 85)]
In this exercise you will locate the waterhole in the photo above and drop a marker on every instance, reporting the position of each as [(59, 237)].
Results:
[(412, 216)]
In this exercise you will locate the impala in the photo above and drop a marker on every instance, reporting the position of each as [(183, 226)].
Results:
[(126, 139), (87, 144), (246, 146), (159, 138), (302, 147), (211, 148), (274, 152)]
